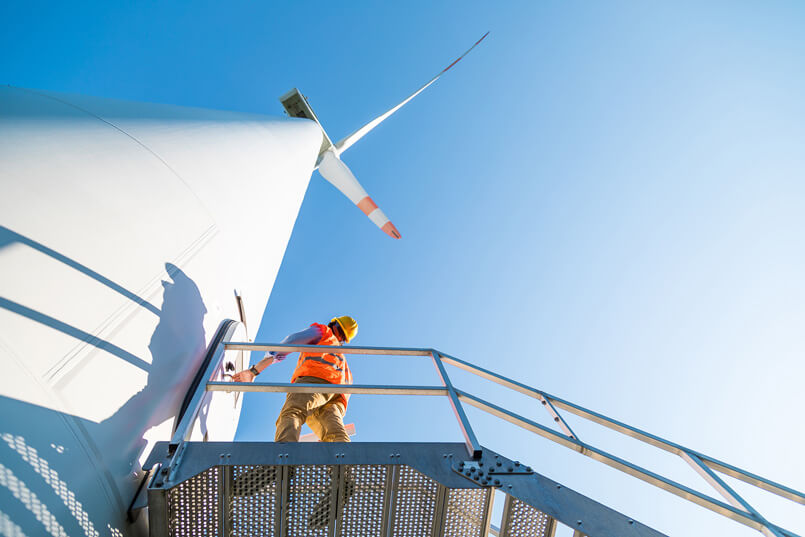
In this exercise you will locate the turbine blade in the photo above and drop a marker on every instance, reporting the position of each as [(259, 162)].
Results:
[(340, 176), (350, 140)]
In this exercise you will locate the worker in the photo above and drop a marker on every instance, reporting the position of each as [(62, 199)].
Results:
[(323, 412)]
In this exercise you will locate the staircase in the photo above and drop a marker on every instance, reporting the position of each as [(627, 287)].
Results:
[(358, 489)]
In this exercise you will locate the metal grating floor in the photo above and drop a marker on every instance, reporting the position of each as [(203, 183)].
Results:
[(522, 520), (193, 509), (415, 500), (382, 500), (310, 505), (465, 511), (253, 504), (365, 493), (264, 489)]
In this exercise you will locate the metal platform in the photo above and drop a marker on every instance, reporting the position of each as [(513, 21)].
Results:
[(400, 490), (361, 490)]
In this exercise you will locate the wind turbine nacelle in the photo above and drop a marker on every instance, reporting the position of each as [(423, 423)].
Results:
[(296, 105)]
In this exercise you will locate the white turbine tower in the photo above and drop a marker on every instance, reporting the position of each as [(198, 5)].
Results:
[(329, 163)]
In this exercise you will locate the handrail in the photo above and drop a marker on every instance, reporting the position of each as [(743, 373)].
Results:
[(379, 351), (225, 330), (750, 519), (737, 509), (285, 387), (211, 363), (628, 430)]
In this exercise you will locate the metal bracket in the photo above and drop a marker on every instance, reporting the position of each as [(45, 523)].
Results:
[(487, 471)]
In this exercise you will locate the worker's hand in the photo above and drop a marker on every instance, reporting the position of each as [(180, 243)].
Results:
[(243, 376)]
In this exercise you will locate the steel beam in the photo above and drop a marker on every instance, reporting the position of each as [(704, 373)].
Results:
[(439, 512), (225, 500), (560, 503), (486, 524), (335, 497), (157, 510), (392, 476), (283, 490), (473, 447), (505, 522)]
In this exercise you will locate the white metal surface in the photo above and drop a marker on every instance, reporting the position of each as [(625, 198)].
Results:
[(119, 223)]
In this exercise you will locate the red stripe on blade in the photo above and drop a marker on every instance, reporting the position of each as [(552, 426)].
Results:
[(367, 205)]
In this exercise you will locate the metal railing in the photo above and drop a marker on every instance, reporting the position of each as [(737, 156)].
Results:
[(735, 508)]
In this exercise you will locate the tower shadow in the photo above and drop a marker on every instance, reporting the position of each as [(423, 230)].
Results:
[(177, 348), (61, 474)]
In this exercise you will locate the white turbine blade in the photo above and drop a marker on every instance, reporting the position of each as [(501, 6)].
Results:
[(340, 176), (349, 140)]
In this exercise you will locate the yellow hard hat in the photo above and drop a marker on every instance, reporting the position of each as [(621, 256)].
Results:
[(348, 325)]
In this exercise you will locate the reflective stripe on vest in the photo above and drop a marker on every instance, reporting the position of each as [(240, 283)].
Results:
[(323, 361)]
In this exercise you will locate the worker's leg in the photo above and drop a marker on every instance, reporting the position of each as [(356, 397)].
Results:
[(294, 412), (328, 422)]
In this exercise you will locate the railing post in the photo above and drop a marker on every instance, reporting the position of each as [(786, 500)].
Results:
[(473, 447), (727, 492), (556, 417)]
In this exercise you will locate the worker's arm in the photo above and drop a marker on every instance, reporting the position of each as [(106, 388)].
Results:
[(310, 336)]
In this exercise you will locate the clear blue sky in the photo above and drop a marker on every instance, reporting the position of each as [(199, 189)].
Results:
[(604, 200)]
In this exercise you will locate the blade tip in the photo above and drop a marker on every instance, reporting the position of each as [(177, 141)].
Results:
[(390, 230)]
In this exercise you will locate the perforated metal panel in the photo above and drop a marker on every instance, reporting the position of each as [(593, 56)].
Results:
[(465, 512), (364, 493), (193, 509), (254, 502), (522, 520), (311, 500), (338, 501), (415, 504)]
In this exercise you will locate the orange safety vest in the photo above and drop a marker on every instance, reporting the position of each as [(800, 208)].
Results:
[(330, 367)]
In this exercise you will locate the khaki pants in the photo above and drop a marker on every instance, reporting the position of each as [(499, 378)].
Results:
[(321, 411)]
